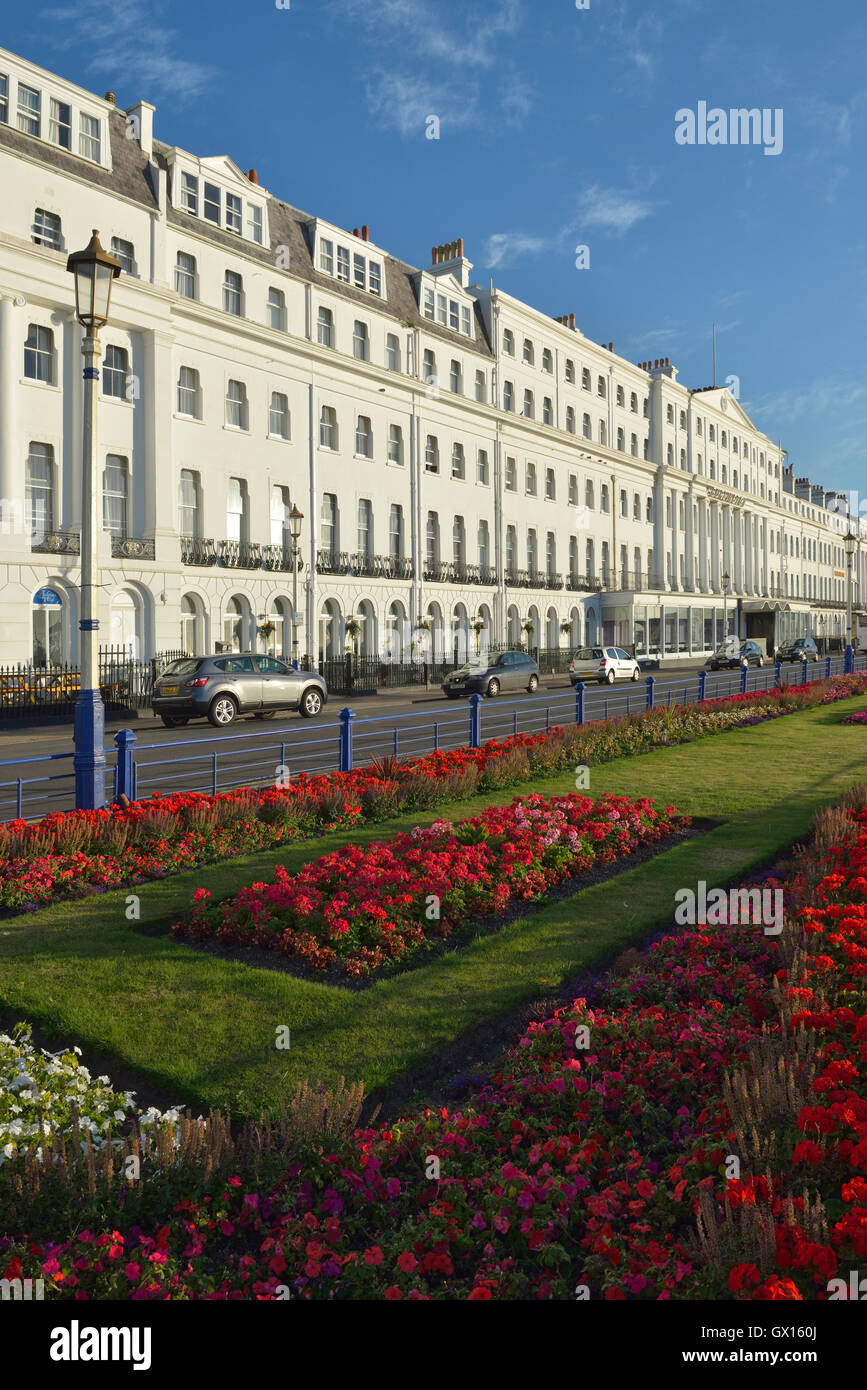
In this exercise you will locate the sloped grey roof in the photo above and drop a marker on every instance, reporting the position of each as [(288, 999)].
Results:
[(289, 227), (127, 176), (292, 228)]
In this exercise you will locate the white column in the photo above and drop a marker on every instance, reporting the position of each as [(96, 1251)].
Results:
[(12, 468), (161, 475), (702, 543), (689, 504), (308, 641)]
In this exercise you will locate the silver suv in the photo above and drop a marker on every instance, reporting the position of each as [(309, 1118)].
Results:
[(221, 687)]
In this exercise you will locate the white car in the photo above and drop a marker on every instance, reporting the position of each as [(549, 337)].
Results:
[(603, 664)]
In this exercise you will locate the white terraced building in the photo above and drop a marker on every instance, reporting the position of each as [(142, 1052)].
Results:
[(458, 455)]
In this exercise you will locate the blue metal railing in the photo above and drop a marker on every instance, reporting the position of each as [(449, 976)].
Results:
[(269, 757), (19, 783)]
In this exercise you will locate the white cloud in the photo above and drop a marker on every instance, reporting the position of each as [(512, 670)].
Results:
[(427, 66), (130, 46), (403, 103), (611, 209), (504, 248), (667, 336), (419, 25)]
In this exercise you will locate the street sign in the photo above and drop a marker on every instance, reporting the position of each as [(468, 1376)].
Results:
[(47, 598)]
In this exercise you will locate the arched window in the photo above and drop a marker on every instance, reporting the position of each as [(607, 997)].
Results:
[(125, 624), (48, 644), (235, 624), (192, 637)]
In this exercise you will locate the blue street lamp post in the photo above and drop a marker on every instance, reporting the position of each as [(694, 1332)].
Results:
[(94, 271)]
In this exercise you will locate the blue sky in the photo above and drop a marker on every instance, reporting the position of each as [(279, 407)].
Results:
[(556, 129)]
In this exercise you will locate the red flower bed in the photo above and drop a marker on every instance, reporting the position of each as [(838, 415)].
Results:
[(364, 906), (581, 1162)]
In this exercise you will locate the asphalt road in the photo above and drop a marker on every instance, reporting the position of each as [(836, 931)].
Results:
[(252, 752)]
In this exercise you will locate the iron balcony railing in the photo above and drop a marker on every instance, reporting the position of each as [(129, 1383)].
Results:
[(133, 548), (342, 562), (56, 542), (279, 557), (241, 555), (197, 551), (583, 583)]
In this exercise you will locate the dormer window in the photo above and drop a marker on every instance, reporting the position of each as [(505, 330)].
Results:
[(29, 109), (343, 264), (190, 194), (4, 99), (254, 223), (223, 208), (233, 213), (326, 256), (60, 124), (89, 142), (429, 305), (212, 203)]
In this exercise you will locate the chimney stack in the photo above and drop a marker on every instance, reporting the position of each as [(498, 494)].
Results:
[(451, 253), (365, 234), (142, 117), (253, 176)]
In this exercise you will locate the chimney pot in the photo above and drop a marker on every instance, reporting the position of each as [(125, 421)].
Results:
[(365, 233), (356, 232), (253, 176), (109, 96)]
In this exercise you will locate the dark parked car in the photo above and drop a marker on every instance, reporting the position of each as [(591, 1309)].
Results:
[(221, 687), (802, 649), (508, 671), (725, 658)]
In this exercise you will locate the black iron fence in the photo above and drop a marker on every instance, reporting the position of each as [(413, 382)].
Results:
[(365, 675), (126, 684)]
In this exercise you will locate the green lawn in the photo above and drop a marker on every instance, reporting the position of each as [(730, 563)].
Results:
[(203, 1029)]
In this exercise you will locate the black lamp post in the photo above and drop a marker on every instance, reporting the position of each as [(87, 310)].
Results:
[(850, 552), (94, 270)]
